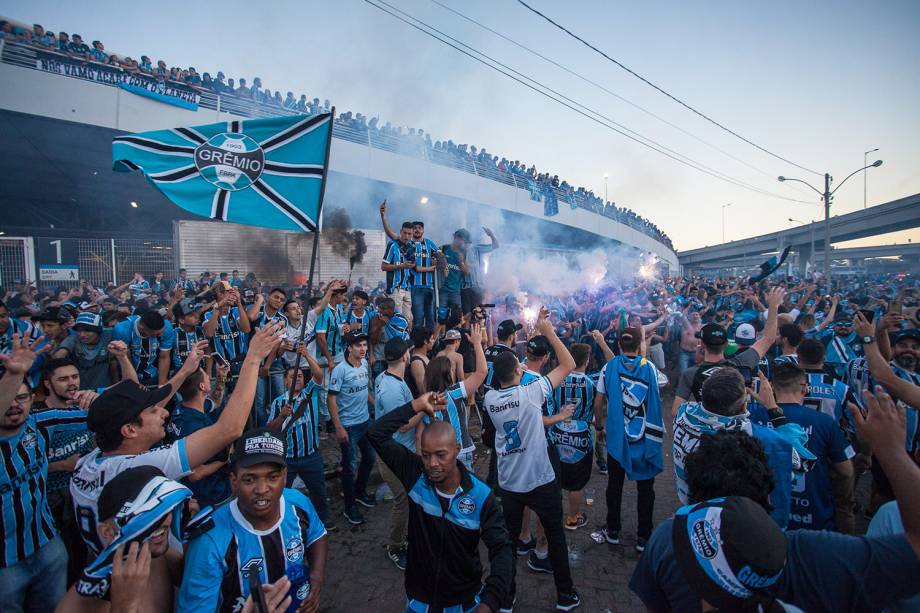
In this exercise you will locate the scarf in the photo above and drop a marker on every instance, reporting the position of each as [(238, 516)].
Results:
[(634, 422), (137, 520), (693, 421)]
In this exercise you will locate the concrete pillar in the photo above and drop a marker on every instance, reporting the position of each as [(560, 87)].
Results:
[(804, 253)]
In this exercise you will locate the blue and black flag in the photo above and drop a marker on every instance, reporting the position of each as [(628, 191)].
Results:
[(260, 172), (770, 266)]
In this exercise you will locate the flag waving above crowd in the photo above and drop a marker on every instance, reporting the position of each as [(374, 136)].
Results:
[(261, 172)]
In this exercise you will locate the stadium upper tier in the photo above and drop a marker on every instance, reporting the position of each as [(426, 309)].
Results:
[(52, 85)]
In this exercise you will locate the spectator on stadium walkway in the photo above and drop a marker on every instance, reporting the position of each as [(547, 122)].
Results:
[(812, 504), (98, 54), (41, 38), (445, 499), (632, 413), (33, 569), (266, 522), (349, 395), (391, 393), (78, 48), (128, 421), (140, 510), (150, 339), (526, 476), (856, 573)]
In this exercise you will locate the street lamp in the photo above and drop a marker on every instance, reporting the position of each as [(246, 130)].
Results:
[(826, 196), (606, 176), (724, 206), (866, 161)]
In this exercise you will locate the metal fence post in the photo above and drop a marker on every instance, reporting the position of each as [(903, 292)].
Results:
[(114, 265)]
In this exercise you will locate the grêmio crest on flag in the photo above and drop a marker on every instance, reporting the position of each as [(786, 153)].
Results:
[(259, 172)]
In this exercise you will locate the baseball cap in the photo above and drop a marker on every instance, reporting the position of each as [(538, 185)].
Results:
[(53, 313), (538, 346), (88, 321), (395, 349), (728, 549), (259, 446), (183, 308), (355, 336), (905, 334), (84, 306), (463, 234), (507, 328), (452, 335), (745, 335), (713, 334), (122, 403)]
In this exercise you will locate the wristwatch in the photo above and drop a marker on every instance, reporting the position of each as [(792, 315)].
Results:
[(868, 339)]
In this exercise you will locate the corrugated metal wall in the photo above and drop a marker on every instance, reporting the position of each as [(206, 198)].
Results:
[(271, 254)]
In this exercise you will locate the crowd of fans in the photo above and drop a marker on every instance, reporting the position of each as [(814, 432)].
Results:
[(174, 417), (416, 142)]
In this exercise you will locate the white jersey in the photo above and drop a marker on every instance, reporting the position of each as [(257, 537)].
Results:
[(520, 438), (93, 471)]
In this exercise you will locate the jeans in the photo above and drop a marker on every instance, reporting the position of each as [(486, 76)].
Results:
[(356, 483), (645, 503), (423, 307), (267, 389), (310, 469), (449, 298), (685, 359), (399, 522), (36, 583), (546, 502)]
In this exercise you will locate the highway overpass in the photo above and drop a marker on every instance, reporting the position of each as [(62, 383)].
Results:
[(907, 254), (901, 214)]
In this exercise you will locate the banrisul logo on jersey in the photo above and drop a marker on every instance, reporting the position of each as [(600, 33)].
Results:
[(230, 161)]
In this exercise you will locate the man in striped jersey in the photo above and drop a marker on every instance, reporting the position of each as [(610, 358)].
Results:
[(360, 314), (33, 559), (423, 278), (150, 340), (572, 437), (188, 333), (299, 422), (227, 326), (330, 330), (398, 263)]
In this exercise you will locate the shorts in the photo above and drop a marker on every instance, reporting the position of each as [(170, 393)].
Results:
[(574, 477)]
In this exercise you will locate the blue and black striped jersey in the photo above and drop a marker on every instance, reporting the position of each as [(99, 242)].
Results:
[(330, 323), (364, 319), (27, 524), (424, 251), (183, 344), (218, 562), (397, 253), (229, 341), (302, 433), (144, 350), (577, 389), (457, 414)]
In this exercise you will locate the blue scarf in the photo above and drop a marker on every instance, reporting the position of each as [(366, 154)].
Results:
[(136, 520), (634, 422)]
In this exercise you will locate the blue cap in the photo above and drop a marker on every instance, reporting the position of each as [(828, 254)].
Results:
[(88, 321)]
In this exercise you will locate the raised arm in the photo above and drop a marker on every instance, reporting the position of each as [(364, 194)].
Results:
[(830, 314), (203, 444), (476, 378), (386, 224), (881, 370), (602, 343), (566, 362), (17, 363), (775, 298)]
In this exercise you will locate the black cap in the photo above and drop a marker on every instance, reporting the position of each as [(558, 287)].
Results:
[(122, 403), (183, 308), (900, 335), (259, 446), (713, 334), (355, 336), (395, 349), (538, 346), (728, 549), (507, 328), (124, 488), (53, 313)]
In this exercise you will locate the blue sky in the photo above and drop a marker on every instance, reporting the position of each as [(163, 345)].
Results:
[(816, 82)]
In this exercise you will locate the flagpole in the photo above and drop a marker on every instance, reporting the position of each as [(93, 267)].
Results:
[(319, 216)]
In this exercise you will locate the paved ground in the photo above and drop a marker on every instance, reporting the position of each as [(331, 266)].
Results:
[(361, 578)]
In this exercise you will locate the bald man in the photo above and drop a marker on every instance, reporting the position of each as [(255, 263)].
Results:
[(450, 512)]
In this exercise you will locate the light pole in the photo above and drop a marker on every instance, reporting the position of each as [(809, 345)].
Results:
[(724, 206), (866, 161), (606, 176), (826, 196)]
